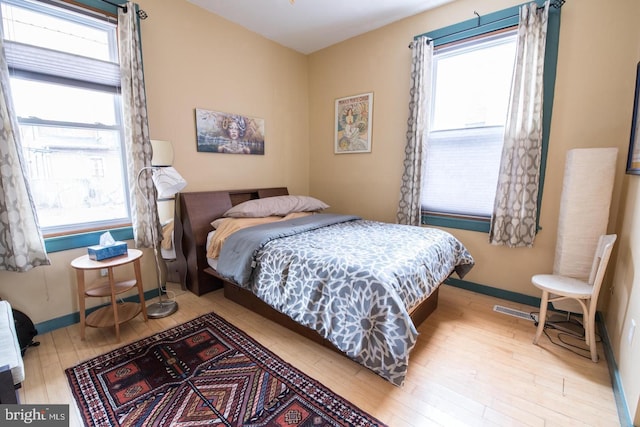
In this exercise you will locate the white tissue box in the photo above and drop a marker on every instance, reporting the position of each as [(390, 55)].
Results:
[(99, 252)]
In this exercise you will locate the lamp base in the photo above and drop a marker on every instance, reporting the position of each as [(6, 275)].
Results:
[(161, 309)]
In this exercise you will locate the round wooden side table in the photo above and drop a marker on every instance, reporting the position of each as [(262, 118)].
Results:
[(117, 313)]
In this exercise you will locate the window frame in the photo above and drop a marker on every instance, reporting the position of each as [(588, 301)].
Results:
[(481, 26), (77, 228), (63, 241)]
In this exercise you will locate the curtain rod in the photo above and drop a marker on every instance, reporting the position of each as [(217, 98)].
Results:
[(554, 3), (141, 13)]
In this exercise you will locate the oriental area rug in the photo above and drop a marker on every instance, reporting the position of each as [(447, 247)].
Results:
[(204, 372)]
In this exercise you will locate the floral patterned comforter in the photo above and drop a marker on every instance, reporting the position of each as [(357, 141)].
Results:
[(355, 283)]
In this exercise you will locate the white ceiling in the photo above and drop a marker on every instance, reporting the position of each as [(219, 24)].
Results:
[(310, 25)]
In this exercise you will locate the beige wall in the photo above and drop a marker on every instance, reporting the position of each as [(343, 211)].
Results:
[(196, 59), (624, 304), (368, 184), (597, 60)]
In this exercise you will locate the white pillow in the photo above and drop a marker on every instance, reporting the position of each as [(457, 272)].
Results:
[(275, 206)]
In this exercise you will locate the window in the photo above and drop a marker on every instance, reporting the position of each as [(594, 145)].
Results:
[(474, 218), (471, 83), (65, 88)]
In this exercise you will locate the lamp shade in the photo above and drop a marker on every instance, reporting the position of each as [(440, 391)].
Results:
[(168, 182), (162, 153)]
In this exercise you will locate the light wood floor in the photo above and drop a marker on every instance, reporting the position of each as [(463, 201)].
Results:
[(471, 366)]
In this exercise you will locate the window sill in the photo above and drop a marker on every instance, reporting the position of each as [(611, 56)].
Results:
[(463, 223), (82, 240)]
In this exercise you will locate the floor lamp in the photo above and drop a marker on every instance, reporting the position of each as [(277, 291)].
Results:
[(168, 183)]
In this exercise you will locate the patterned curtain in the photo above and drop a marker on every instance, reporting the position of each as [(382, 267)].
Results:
[(513, 222), (417, 130), (21, 242), (142, 193)]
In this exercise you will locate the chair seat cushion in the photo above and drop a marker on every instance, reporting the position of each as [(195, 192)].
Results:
[(562, 285), (9, 347)]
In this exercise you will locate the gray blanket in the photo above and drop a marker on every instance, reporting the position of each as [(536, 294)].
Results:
[(237, 256)]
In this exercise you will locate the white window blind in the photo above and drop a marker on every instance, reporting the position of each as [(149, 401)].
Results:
[(45, 39), (52, 62), (461, 171)]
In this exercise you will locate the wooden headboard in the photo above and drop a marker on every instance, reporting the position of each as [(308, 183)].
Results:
[(195, 212)]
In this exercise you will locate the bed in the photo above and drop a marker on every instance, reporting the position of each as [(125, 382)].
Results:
[(381, 331)]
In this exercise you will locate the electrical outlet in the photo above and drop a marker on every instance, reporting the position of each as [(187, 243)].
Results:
[(104, 272), (632, 330)]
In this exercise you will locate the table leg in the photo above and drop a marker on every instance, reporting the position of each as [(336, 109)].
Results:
[(138, 271), (114, 302), (81, 302)]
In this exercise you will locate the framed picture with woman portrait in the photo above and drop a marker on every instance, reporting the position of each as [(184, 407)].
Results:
[(227, 133), (353, 124)]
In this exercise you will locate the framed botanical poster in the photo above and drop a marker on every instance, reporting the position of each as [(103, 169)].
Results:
[(633, 158), (218, 132), (353, 124)]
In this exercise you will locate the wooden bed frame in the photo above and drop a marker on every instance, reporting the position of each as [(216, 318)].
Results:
[(196, 211)]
